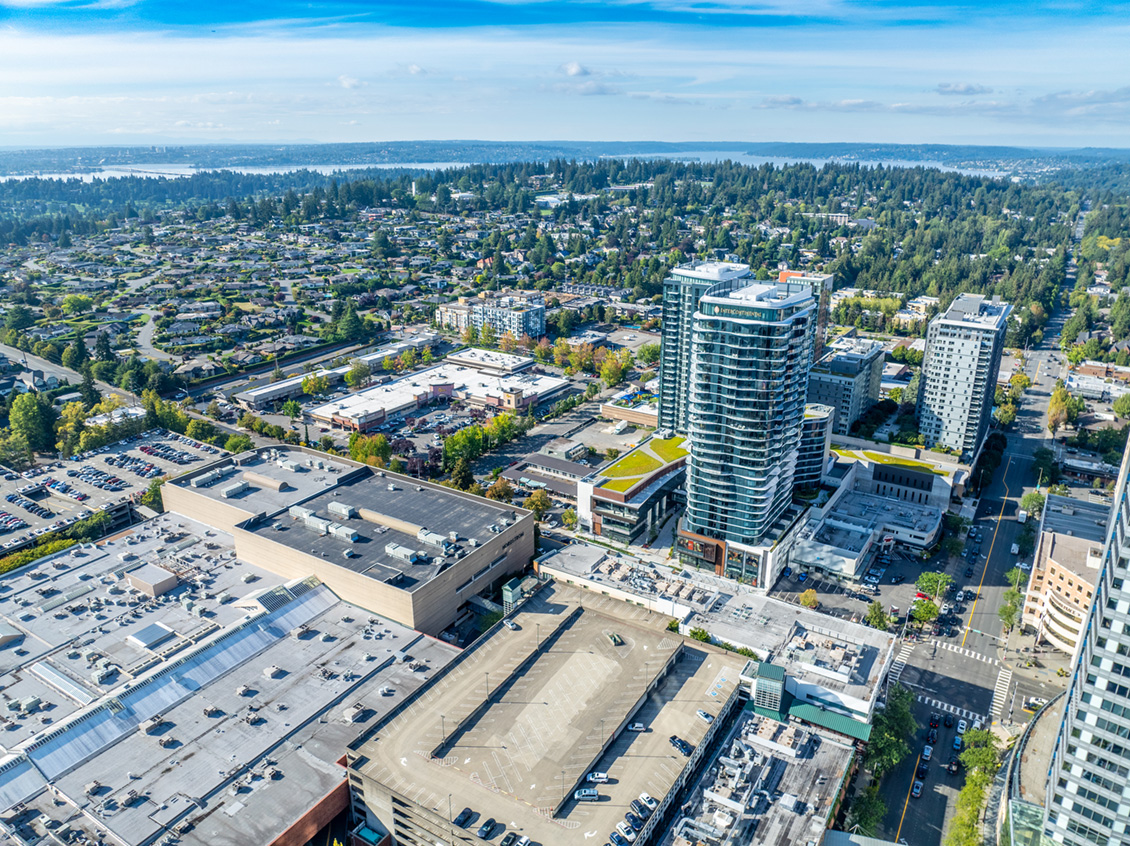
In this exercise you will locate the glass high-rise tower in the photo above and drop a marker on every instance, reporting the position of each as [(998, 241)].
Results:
[(1088, 791), (751, 348)]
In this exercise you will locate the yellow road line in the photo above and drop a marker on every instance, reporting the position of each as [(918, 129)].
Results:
[(989, 555), (906, 802)]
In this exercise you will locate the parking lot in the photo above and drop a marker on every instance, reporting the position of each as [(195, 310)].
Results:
[(53, 496)]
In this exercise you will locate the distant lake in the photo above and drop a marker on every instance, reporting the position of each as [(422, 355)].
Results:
[(180, 170), (744, 158), (741, 157)]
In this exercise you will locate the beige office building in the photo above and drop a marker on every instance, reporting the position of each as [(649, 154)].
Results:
[(412, 551)]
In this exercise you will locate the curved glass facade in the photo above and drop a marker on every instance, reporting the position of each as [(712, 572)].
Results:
[(745, 404)]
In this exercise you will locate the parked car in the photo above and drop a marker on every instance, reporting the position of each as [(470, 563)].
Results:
[(916, 789), (464, 817), (486, 830)]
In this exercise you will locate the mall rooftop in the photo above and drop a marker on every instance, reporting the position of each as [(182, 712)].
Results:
[(217, 709)]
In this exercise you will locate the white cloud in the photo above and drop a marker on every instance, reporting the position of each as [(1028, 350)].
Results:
[(348, 81), (963, 88), (574, 69)]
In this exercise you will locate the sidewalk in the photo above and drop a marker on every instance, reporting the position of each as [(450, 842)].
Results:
[(1049, 659)]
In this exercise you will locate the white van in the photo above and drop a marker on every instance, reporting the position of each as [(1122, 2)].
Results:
[(586, 794)]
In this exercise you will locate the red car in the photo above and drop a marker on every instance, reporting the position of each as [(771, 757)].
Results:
[(921, 596)]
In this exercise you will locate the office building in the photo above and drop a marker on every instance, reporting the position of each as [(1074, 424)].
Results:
[(634, 494), (411, 551), (959, 373), (681, 292), (848, 378), (1086, 804), (751, 351), (1067, 560), (815, 445)]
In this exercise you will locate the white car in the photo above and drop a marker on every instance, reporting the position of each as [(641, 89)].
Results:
[(647, 800), (1024, 565), (871, 580), (597, 778), (961, 726), (510, 624), (960, 596), (626, 831), (637, 727), (704, 716)]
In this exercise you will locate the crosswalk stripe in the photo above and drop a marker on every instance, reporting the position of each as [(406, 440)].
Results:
[(962, 650), (899, 663), (1000, 692), (964, 713)]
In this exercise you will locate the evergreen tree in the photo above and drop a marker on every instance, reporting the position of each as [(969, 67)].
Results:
[(102, 350), (90, 395)]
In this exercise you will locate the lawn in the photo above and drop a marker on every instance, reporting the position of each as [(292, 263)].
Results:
[(668, 450), (886, 458), (633, 464), (620, 485)]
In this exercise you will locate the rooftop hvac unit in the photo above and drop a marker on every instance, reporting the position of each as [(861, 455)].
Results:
[(401, 553), (233, 490), (299, 512), (342, 510), (343, 532), (248, 578), (353, 713), (391, 486), (432, 538), (317, 524), (287, 464), (453, 536), (272, 671)]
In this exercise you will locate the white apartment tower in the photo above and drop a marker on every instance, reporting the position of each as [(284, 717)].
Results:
[(959, 373)]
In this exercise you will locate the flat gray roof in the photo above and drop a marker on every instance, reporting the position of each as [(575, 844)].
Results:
[(1067, 516), (250, 691), (551, 710), (429, 507)]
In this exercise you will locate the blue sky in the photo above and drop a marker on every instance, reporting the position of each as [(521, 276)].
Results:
[(124, 72)]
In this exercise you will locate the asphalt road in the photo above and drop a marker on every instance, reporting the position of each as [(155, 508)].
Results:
[(963, 675)]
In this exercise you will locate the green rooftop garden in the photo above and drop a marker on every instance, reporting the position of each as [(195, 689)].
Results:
[(887, 458), (635, 463), (669, 450)]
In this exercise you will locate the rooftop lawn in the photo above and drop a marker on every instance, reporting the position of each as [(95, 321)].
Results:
[(887, 458), (620, 485), (633, 464), (669, 449)]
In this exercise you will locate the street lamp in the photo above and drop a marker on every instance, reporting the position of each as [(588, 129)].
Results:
[(443, 728)]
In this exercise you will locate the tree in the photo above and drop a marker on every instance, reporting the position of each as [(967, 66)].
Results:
[(75, 355), (867, 811), (1009, 616), (90, 394), (313, 385), (569, 518), (980, 752), (487, 335), (238, 443), (538, 502), (612, 371), (359, 374), (809, 599), (612, 453), (891, 729), (461, 475), (19, 317), (77, 303), (1033, 503), (501, 491), (1016, 577), (925, 611), (30, 417), (152, 496), (102, 349), (1006, 414), (1121, 405), (648, 354), (700, 634), (933, 584), (350, 327), (292, 409), (952, 546), (876, 617)]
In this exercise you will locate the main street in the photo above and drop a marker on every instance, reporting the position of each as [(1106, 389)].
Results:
[(971, 676)]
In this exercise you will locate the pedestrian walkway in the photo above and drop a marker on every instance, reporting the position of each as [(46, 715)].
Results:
[(962, 650), (938, 705), (1000, 692), (900, 663)]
